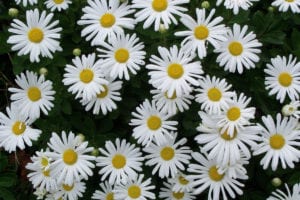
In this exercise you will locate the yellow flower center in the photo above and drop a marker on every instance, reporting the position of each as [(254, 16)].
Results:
[(178, 195), (107, 20), (104, 93), (35, 35), (167, 153), (121, 55), (289, 1), (154, 122), (227, 137), (110, 196), (182, 180), (44, 162), (134, 191), (235, 48), (18, 128), (46, 173), (214, 174), (175, 70), (86, 75), (277, 141), (201, 32), (214, 94), (159, 5), (34, 93), (68, 187), (58, 1), (70, 157), (285, 79), (233, 113), (118, 161)]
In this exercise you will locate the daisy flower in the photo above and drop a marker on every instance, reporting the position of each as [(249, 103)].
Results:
[(106, 192), (280, 141), (158, 12), (57, 4), (235, 5), (291, 109), (205, 174), (41, 176), (37, 37), (105, 100), (175, 71), (70, 192), (70, 159), (40, 193), (180, 183), (204, 30), (85, 77), (213, 94), (151, 124), (285, 5), (283, 77), (124, 54), (171, 104), (34, 95), (236, 116), (280, 195), (169, 157), (25, 2), (15, 130), (104, 20), (239, 51), (222, 147), (119, 162), (135, 189), (167, 193)]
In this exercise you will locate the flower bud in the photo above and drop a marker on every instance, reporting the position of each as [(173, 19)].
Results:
[(95, 152), (162, 29), (205, 4), (76, 52), (43, 71), (271, 9), (288, 110), (276, 182), (13, 12)]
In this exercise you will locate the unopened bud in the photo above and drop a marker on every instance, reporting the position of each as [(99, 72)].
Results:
[(95, 152), (43, 71), (162, 28), (205, 4), (81, 138), (288, 110), (77, 52), (276, 182), (13, 12), (271, 9)]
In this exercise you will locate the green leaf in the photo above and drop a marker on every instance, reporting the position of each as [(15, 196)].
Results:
[(6, 181), (274, 37), (6, 194)]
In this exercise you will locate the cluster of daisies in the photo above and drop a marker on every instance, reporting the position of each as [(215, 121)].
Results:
[(228, 133)]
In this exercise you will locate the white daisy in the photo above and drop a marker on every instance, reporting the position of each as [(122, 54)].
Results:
[(70, 192), (37, 37), (167, 193), (125, 54), (151, 124), (34, 95), (283, 77), (105, 100), (235, 5), (280, 141), (280, 195), (285, 5), (181, 183), (158, 12), (71, 161), (40, 193), (171, 104), (225, 149), (239, 51), (57, 4), (236, 116), (15, 130), (104, 19), (203, 31), (106, 192), (175, 71), (205, 175), (25, 2), (169, 157), (291, 109), (119, 162), (136, 189), (213, 94), (85, 78)]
